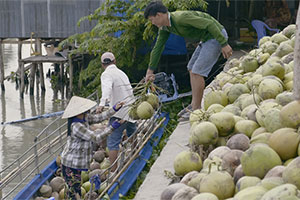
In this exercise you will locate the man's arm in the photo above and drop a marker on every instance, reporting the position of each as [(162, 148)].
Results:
[(156, 52)]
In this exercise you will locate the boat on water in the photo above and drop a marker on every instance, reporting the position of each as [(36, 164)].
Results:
[(38, 165)]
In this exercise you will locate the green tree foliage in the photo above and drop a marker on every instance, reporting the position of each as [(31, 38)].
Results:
[(126, 16)]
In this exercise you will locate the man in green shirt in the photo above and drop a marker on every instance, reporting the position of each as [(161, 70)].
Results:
[(192, 25)]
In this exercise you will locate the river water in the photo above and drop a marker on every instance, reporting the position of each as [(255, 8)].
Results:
[(15, 139)]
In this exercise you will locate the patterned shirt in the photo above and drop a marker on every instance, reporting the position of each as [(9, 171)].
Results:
[(78, 150)]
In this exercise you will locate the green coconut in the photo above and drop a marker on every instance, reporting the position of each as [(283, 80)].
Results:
[(236, 90), (248, 109), (238, 141), (214, 183), (259, 159), (271, 182), (251, 193), (275, 68), (269, 47), (170, 190), (205, 196), (290, 114), (214, 108), (213, 97), (133, 113), (84, 176), (246, 126), (204, 133), (285, 191), (289, 86), (258, 131), (278, 38), (187, 161), (288, 58), (249, 64), (57, 183), (288, 162), (272, 120), (275, 171), (269, 88), (46, 191), (285, 142), (291, 172), (224, 122), (195, 181), (185, 193), (261, 138), (145, 110), (288, 77), (153, 100), (263, 108), (284, 98), (197, 116), (264, 40), (245, 182), (255, 52), (289, 30), (262, 58), (254, 81), (284, 49), (289, 67), (232, 109), (250, 99)]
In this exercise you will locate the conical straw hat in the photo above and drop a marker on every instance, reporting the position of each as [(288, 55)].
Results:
[(78, 105)]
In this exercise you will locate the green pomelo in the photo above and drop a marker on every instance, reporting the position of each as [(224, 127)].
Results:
[(187, 161), (245, 182), (259, 159), (290, 114), (204, 133), (246, 126), (214, 183), (285, 142), (224, 122), (145, 110)]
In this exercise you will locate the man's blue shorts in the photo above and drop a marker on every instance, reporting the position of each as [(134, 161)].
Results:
[(114, 139), (205, 56)]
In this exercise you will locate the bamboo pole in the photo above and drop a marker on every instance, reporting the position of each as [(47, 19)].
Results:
[(296, 81), (61, 72), (1, 67), (134, 156), (40, 65)]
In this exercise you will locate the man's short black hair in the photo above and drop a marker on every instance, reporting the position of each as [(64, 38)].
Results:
[(153, 8)]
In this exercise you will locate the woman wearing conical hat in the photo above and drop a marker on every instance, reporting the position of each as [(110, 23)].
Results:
[(77, 153)]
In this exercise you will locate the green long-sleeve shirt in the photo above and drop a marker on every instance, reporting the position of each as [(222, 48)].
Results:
[(194, 25)]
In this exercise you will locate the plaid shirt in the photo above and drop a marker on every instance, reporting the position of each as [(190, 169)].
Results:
[(78, 150)]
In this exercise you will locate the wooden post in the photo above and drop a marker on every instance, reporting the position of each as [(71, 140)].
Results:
[(296, 81), (32, 78), (70, 74), (22, 87), (42, 80), (61, 72), (1, 67)]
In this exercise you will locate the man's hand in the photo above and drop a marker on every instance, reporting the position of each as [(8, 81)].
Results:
[(119, 105), (149, 75), (99, 109), (227, 51)]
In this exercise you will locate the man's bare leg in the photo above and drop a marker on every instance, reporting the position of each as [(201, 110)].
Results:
[(197, 85), (113, 154)]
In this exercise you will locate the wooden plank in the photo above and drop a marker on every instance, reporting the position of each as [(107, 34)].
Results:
[(71, 75), (22, 87), (1, 67), (44, 59)]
